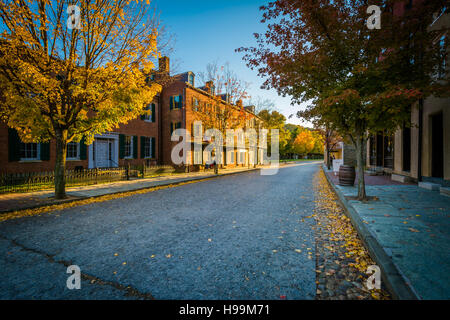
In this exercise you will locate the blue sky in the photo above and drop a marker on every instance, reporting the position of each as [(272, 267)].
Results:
[(207, 31)]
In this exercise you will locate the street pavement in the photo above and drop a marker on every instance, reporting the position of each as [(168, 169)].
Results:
[(233, 237)]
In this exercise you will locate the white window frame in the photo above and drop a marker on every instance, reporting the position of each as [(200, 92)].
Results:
[(78, 152), (38, 153), (149, 141), (198, 157), (131, 148)]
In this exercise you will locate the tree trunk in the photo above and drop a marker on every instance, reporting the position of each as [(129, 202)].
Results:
[(328, 155), (360, 165), (60, 165)]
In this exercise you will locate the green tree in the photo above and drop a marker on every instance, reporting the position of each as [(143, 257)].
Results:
[(275, 120)]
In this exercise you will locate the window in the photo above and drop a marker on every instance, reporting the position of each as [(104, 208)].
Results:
[(151, 114), (147, 147), (197, 157), (191, 79), (213, 90), (29, 151), (174, 126), (195, 104), (176, 102), (241, 157), (73, 151), (230, 157), (197, 129), (128, 147)]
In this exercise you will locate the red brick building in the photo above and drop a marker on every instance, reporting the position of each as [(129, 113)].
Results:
[(181, 103), (141, 141)]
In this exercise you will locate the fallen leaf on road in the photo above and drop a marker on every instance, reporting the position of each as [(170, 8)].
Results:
[(298, 250), (168, 255), (413, 230)]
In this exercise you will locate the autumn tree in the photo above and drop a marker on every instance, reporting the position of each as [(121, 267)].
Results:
[(275, 120), (318, 142), (68, 78), (358, 80), (226, 82)]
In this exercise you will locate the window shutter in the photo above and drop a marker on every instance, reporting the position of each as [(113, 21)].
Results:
[(13, 145), (180, 101), (45, 151), (153, 147), (121, 146), (135, 147), (171, 128), (153, 113), (142, 147), (83, 151), (171, 102)]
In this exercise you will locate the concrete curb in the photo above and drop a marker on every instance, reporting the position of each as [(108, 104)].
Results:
[(131, 190), (392, 277)]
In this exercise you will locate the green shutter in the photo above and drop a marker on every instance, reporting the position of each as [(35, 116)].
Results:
[(135, 147), (153, 113), (171, 102), (171, 128), (13, 145), (153, 147), (121, 146), (83, 149), (45, 151), (180, 101), (142, 147)]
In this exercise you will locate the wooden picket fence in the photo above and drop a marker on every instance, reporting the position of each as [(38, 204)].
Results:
[(34, 181)]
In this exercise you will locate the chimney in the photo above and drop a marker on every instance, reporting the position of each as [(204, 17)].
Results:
[(239, 103), (250, 109), (164, 64)]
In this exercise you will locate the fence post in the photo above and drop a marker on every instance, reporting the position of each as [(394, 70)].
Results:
[(127, 171)]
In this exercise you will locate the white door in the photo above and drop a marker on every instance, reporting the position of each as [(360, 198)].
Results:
[(102, 153)]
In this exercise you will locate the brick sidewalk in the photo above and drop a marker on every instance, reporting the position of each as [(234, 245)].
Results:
[(412, 226)]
